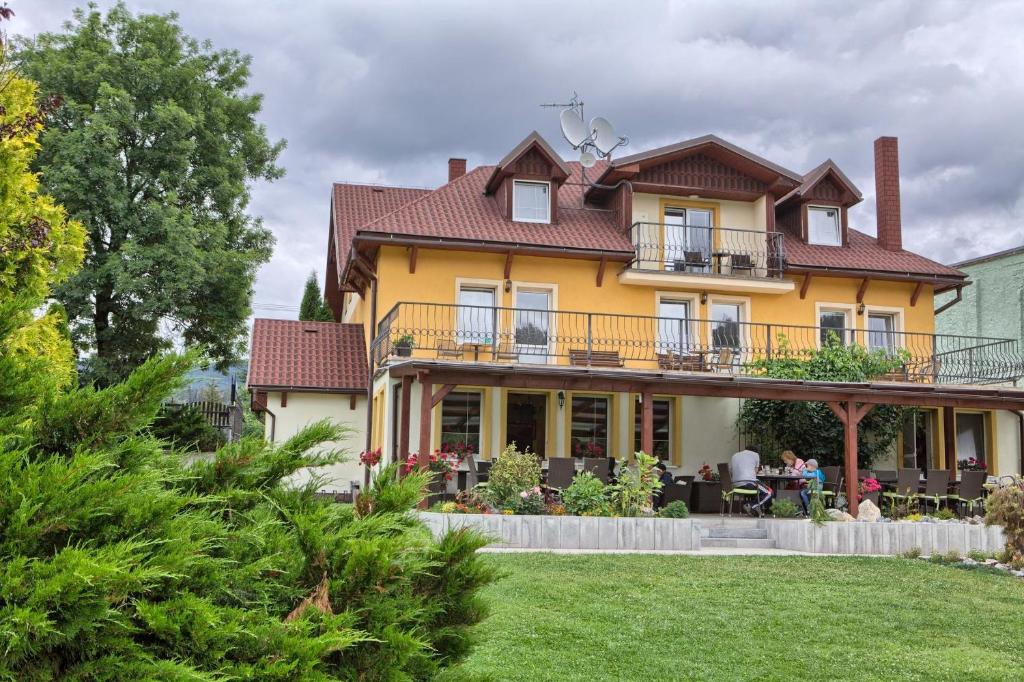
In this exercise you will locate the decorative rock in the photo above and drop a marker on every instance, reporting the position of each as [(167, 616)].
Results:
[(837, 515), (869, 511), (927, 519), (991, 562), (1002, 567), (968, 561), (1019, 574)]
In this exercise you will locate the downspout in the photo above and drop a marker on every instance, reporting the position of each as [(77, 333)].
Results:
[(369, 378), (273, 423), (1020, 440)]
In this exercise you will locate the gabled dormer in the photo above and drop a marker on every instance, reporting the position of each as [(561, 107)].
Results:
[(525, 183), (815, 212)]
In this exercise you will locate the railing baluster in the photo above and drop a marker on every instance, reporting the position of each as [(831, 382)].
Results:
[(590, 338)]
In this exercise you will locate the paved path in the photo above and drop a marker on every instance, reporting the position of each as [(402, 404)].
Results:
[(708, 551)]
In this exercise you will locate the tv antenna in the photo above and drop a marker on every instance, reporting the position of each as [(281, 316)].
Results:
[(594, 141)]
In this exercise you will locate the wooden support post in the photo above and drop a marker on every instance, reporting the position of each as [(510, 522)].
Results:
[(413, 252), (426, 403), (508, 265), (403, 419), (949, 437), (917, 293), (647, 423), (863, 289), (600, 270), (850, 415), (806, 283)]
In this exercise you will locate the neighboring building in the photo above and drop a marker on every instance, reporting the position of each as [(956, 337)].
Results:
[(615, 312)]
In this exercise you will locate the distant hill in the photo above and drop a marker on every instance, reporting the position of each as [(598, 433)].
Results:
[(210, 384)]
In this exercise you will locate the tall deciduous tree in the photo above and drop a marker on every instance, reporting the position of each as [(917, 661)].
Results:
[(154, 150), (312, 307)]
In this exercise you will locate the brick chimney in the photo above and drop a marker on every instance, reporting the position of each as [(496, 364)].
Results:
[(456, 168), (887, 194)]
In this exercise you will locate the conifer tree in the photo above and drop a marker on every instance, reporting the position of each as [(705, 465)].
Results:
[(312, 307)]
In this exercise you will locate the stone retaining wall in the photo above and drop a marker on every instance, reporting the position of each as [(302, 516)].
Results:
[(574, 532), (884, 538), (655, 534)]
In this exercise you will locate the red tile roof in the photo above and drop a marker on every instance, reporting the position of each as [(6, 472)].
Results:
[(356, 205), (460, 210), (862, 253), (313, 356)]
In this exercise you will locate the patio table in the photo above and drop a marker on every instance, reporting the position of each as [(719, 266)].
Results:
[(776, 482)]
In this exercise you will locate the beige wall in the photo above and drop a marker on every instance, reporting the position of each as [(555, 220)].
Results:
[(1007, 428), (709, 431), (742, 215), (304, 409)]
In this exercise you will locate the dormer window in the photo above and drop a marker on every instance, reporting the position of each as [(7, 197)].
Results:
[(531, 202), (823, 226)]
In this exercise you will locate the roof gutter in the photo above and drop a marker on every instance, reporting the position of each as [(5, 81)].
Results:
[(942, 282), (308, 389)]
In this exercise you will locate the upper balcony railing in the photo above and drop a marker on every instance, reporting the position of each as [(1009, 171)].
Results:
[(703, 250), (557, 337)]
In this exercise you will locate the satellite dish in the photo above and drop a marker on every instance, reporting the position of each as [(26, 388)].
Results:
[(604, 135), (587, 160), (573, 128)]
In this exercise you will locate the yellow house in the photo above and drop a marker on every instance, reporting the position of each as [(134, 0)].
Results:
[(606, 310)]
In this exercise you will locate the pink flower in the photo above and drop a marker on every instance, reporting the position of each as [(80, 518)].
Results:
[(524, 494)]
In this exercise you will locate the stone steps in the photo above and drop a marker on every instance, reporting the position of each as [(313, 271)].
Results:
[(738, 543), (737, 533)]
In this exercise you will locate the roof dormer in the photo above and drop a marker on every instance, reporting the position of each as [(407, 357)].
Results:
[(525, 183), (816, 210)]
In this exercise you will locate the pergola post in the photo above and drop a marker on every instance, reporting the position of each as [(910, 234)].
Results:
[(426, 403), (850, 415), (647, 423)]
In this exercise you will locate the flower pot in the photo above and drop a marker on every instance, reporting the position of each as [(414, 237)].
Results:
[(874, 497), (403, 351)]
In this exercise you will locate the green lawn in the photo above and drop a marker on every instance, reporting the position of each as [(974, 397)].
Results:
[(634, 617)]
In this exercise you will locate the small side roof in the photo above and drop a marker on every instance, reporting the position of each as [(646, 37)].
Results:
[(811, 179), (324, 357)]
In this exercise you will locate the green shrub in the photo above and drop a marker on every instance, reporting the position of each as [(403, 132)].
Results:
[(513, 473), (586, 496), (635, 486), (784, 509), (675, 510), (912, 553), (1005, 507), (977, 555), (530, 502), (185, 427), (121, 562), (944, 514), (952, 557)]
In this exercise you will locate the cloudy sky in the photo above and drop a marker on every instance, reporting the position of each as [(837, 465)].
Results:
[(388, 91)]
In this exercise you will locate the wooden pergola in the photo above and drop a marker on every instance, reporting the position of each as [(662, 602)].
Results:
[(850, 401)]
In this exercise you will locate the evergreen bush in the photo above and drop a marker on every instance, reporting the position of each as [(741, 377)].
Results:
[(675, 510), (513, 473), (587, 495), (185, 427)]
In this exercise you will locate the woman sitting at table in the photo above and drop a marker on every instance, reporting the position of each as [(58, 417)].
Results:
[(790, 460)]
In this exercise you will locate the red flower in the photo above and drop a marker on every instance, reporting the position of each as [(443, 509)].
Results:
[(370, 457)]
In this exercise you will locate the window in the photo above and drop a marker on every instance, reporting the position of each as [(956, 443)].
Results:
[(531, 202), (476, 315), (823, 226), (687, 239), (532, 323), (460, 419), (835, 325), (882, 332), (970, 438), (673, 326), (917, 440), (725, 325), (589, 433), (662, 410)]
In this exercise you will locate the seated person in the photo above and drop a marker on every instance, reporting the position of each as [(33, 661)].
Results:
[(815, 481), (796, 464), (743, 470), (666, 480)]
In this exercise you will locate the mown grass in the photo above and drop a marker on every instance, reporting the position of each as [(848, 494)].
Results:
[(634, 617)]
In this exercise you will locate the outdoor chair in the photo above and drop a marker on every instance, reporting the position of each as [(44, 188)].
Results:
[(936, 488), (692, 260), (506, 352), (833, 484), (597, 466), (561, 471), (885, 477), (729, 493), (863, 473), (446, 348), (741, 262), (971, 492), (726, 360), (692, 363), (907, 482), (669, 360)]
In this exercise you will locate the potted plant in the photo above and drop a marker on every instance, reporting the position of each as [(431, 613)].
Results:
[(972, 464), (869, 489), (404, 345)]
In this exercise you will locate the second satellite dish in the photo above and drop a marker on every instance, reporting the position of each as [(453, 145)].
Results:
[(588, 160), (573, 127), (604, 135)]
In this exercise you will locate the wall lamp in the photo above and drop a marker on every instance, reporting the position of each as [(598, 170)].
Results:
[(860, 309), (703, 298), (561, 399), (508, 285)]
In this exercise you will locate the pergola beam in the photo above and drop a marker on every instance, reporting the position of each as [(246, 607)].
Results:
[(647, 423)]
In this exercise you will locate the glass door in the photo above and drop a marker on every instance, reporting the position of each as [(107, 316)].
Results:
[(532, 318), (687, 239), (673, 326), (476, 316)]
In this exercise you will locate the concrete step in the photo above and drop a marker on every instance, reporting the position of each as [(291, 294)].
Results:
[(735, 533), (738, 543), (729, 522)]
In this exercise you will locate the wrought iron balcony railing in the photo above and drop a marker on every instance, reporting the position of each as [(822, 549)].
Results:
[(703, 250), (511, 335)]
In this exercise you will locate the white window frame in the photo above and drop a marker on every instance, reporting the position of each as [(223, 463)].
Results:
[(519, 219), (744, 323), (540, 288), (897, 322), (839, 225), (480, 285), (692, 337), (847, 309)]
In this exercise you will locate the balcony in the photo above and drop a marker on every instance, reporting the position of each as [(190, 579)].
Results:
[(698, 255), (463, 333)]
